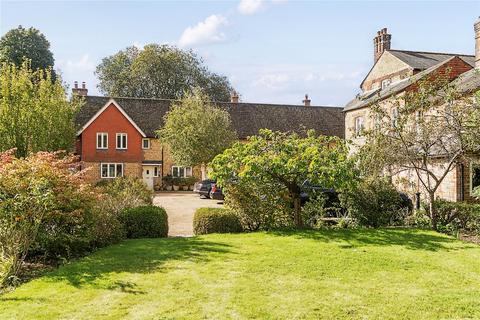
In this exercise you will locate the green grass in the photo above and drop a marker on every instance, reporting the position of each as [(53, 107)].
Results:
[(348, 274)]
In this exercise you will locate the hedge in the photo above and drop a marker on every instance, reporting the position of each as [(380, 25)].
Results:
[(145, 222), (215, 220)]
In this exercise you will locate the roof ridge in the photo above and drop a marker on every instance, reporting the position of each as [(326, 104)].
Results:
[(223, 102), (431, 52)]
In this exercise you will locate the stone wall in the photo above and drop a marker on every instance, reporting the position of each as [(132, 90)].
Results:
[(387, 67)]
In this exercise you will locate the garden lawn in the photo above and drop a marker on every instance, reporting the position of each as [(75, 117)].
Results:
[(345, 274)]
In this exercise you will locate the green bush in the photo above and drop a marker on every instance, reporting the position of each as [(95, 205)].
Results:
[(145, 222), (374, 203), (458, 216), (215, 220)]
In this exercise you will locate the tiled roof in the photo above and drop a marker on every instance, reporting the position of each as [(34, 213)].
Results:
[(247, 118), (424, 60)]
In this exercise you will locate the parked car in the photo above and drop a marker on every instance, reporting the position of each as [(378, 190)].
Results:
[(203, 188), (216, 192), (331, 197)]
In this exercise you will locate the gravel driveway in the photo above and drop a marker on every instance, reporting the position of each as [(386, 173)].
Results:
[(180, 209)]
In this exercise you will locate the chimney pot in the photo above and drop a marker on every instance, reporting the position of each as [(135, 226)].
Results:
[(83, 85), (234, 98), (75, 84), (306, 101), (83, 91)]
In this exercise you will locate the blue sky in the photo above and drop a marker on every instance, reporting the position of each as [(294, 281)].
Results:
[(272, 51)]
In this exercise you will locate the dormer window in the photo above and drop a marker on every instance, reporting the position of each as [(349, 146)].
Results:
[(386, 83)]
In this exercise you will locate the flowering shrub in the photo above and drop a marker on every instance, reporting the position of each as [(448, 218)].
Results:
[(36, 194)]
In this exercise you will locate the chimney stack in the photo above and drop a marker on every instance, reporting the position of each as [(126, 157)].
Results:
[(477, 43), (234, 97), (381, 43), (83, 91), (306, 101)]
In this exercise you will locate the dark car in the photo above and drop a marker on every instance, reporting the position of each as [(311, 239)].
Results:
[(216, 192), (203, 188)]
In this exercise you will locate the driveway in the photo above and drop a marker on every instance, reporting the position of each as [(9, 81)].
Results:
[(180, 208)]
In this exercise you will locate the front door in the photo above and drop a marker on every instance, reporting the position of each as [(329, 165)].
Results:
[(148, 176)]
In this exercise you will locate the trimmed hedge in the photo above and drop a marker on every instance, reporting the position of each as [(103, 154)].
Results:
[(145, 222), (215, 220), (456, 216)]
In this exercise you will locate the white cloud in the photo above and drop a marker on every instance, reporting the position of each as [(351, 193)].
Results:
[(250, 6), (274, 81), (138, 45), (205, 32), (82, 65)]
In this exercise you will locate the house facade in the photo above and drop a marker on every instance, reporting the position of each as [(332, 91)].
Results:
[(393, 73), (117, 135)]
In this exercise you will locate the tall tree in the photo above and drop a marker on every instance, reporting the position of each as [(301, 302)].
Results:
[(20, 44), (196, 131), (426, 132), (159, 71), (35, 114)]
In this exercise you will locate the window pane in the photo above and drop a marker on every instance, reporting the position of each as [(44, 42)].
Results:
[(175, 171), (475, 175), (119, 170), (99, 140), (119, 141), (124, 141), (181, 171), (146, 143), (155, 171), (105, 140), (104, 171), (188, 171), (111, 171)]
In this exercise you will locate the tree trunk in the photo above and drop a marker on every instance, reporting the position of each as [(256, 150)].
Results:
[(297, 211), (433, 210), (204, 172)]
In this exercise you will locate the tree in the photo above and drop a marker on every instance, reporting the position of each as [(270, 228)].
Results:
[(196, 131), (159, 71), (433, 128), (20, 44), (35, 114), (283, 161)]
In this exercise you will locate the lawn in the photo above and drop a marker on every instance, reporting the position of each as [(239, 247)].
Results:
[(367, 274)]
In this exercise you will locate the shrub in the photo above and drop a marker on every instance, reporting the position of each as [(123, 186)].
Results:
[(457, 216), (145, 222), (374, 203), (215, 220)]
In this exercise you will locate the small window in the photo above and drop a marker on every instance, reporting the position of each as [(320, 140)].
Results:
[(181, 172), (474, 176), (155, 171), (121, 141), (386, 83), (111, 170), (359, 126), (102, 140), (394, 117), (145, 143)]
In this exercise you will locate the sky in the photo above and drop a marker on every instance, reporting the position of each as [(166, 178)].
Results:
[(272, 51)]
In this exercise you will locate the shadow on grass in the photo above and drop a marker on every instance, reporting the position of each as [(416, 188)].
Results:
[(134, 256), (414, 239)]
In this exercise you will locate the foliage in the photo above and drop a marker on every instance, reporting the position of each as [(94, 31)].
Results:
[(458, 216), (20, 44), (434, 129), (159, 71), (215, 220), (35, 194), (196, 131), (374, 203), (314, 210), (145, 222), (282, 162), (168, 180), (35, 114)]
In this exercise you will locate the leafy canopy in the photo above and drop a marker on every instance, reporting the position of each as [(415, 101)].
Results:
[(20, 44), (196, 131), (159, 71), (35, 114), (283, 161)]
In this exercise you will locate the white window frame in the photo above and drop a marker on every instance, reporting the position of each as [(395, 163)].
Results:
[(359, 126), (143, 143), (115, 166), (472, 163), (184, 171), (121, 140), (386, 83), (102, 135)]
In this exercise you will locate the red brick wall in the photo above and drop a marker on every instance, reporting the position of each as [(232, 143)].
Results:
[(111, 121)]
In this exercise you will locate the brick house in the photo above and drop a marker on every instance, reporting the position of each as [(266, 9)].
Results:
[(117, 135), (396, 71)]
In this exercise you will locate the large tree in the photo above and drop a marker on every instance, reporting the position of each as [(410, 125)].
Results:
[(35, 113), (21, 43), (425, 132), (159, 71), (196, 130), (283, 162)]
